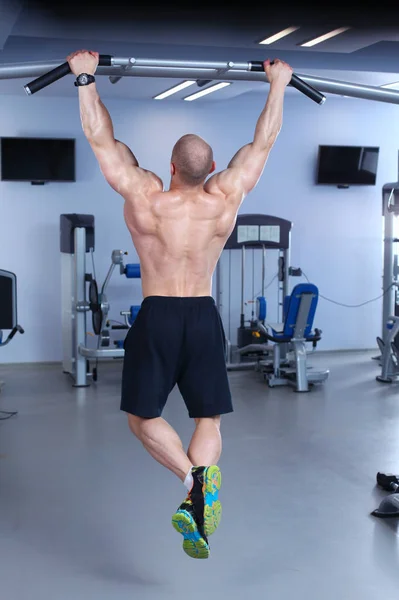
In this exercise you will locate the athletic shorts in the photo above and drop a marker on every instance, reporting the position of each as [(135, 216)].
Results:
[(181, 341)]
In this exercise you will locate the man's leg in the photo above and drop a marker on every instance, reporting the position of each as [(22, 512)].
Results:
[(163, 443), (206, 444)]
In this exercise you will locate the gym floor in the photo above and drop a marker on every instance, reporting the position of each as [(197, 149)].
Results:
[(85, 513)]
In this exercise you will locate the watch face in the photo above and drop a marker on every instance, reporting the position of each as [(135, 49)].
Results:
[(83, 78)]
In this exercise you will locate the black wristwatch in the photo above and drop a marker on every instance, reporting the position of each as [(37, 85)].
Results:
[(84, 79)]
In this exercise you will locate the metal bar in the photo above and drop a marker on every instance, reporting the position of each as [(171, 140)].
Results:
[(263, 269), (58, 73), (108, 277), (240, 366), (201, 70), (186, 64), (101, 352), (79, 338), (388, 302), (253, 283), (355, 90), (287, 264), (108, 60), (242, 284), (302, 384)]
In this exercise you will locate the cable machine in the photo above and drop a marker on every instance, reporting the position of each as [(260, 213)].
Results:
[(259, 233)]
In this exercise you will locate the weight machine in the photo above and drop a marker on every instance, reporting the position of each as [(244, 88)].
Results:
[(258, 233), (296, 310), (8, 308), (388, 343), (81, 295)]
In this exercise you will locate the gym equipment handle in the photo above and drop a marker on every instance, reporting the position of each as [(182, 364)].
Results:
[(296, 82), (59, 72)]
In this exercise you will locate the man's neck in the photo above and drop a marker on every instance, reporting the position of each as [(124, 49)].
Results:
[(178, 186)]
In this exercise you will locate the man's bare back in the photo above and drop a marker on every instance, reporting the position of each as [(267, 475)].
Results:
[(180, 233), (179, 236)]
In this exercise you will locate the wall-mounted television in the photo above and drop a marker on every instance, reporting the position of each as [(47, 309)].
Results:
[(37, 160), (347, 165)]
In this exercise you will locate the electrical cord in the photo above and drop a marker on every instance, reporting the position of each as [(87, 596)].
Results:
[(351, 305), (329, 299), (8, 414), (115, 321), (267, 287)]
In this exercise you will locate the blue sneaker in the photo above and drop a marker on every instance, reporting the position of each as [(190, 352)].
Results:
[(195, 543), (200, 514)]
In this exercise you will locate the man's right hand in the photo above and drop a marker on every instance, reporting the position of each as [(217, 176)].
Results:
[(278, 71), (83, 61)]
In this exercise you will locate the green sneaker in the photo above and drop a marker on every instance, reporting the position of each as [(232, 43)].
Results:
[(205, 497), (212, 480), (195, 543)]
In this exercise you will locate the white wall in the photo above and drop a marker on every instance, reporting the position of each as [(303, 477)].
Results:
[(336, 236)]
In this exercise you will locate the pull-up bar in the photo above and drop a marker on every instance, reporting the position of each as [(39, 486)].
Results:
[(115, 68), (106, 60)]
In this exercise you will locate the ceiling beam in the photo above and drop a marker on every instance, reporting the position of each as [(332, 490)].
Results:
[(9, 13)]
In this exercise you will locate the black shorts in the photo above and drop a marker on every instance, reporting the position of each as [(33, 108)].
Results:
[(173, 341)]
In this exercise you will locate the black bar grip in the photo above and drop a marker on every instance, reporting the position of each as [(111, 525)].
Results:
[(17, 329), (34, 86), (296, 82)]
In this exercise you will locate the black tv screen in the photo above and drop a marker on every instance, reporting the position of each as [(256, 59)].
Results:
[(347, 165), (37, 159)]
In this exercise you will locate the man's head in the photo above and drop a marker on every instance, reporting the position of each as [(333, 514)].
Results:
[(192, 160)]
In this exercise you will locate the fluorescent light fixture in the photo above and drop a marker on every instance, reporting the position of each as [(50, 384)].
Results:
[(278, 36), (323, 38), (173, 90), (394, 85), (213, 88)]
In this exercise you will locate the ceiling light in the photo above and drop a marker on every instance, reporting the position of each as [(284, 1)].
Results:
[(278, 36), (323, 38), (213, 88), (394, 85), (173, 90)]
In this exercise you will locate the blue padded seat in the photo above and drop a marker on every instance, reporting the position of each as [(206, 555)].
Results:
[(292, 307)]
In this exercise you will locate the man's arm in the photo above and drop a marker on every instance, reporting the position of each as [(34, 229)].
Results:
[(246, 167), (117, 162)]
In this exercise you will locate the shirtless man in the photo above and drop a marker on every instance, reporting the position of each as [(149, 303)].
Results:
[(177, 337)]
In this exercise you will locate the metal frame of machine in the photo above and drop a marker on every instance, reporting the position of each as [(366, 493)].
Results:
[(77, 240), (8, 308), (260, 232), (389, 341), (263, 232)]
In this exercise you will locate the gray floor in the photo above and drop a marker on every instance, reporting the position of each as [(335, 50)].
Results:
[(85, 513)]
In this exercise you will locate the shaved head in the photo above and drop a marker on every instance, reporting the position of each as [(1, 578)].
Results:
[(192, 158)]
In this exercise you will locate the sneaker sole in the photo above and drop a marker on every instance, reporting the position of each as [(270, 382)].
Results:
[(212, 508), (193, 545)]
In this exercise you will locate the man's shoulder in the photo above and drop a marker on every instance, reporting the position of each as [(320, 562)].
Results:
[(142, 185)]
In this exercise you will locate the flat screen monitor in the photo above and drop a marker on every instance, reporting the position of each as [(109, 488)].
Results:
[(37, 159), (347, 165)]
